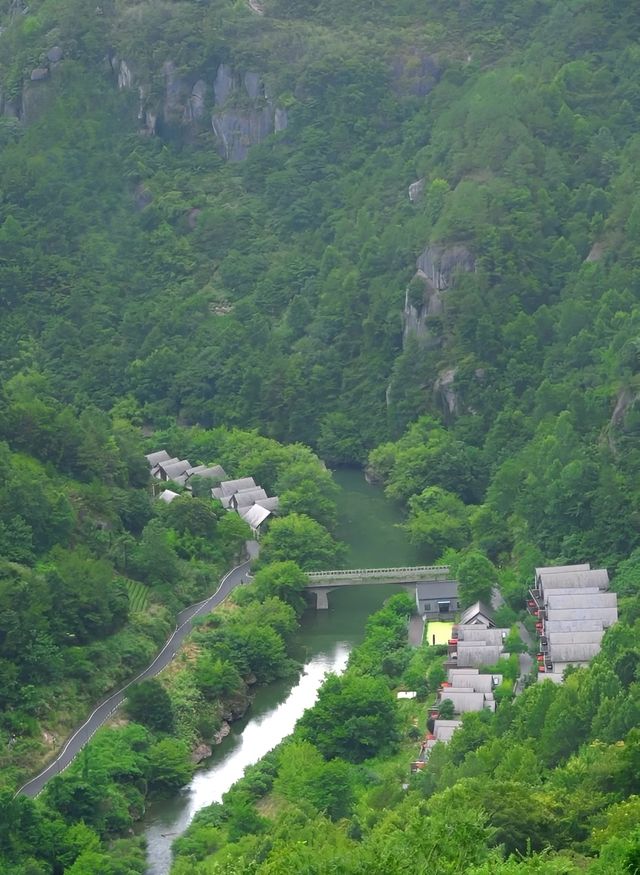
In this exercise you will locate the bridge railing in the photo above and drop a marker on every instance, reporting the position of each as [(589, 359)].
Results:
[(359, 573)]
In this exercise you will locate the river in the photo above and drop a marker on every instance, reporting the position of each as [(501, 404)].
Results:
[(368, 523)]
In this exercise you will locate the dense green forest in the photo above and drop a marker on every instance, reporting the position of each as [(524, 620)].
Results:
[(207, 231)]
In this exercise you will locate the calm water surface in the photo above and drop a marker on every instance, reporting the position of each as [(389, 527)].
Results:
[(368, 523)]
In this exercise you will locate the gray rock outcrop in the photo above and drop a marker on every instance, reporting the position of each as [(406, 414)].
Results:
[(201, 752), (416, 189), (440, 264), (194, 111), (237, 126), (125, 76), (224, 730), (437, 267), (445, 392)]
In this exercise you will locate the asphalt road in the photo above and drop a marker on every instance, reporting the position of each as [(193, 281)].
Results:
[(99, 715)]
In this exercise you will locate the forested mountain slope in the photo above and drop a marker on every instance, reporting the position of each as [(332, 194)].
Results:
[(141, 268)]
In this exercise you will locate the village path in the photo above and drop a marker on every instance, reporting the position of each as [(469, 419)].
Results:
[(105, 709), (525, 659)]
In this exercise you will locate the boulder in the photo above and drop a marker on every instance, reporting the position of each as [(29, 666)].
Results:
[(202, 752), (224, 730), (39, 74)]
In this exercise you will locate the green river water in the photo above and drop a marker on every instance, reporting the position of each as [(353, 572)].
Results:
[(369, 526)]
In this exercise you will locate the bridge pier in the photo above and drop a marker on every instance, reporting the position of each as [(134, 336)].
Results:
[(322, 600)]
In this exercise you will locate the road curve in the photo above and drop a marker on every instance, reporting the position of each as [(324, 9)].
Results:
[(94, 721)]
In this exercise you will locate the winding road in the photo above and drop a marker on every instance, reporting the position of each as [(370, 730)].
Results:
[(105, 709)]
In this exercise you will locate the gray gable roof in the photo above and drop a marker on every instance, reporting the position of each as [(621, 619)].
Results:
[(558, 569), (437, 589), (168, 496), (210, 472), (477, 613), (478, 655), (154, 458), (606, 615), (477, 633), (155, 471), (576, 579), (464, 700), (229, 487), (572, 625), (175, 469), (254, 515), (580, 599), (269, 503), (247, 497)]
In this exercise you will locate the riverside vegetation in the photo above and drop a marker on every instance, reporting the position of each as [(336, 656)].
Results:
[(145, 280)]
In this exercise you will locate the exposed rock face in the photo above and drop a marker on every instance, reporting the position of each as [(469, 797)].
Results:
[(224, 730), (415, 190), (194, 111), (280, 120), (238, 127), (245, 112), (177, 94), (223, 85), (596, 252), (437, 268), (439, 264), (201, 753), (237, 131), (253, 85), (414, 318), (445, 392), (125, 76)]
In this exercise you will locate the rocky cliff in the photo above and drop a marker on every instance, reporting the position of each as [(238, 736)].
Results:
[(235, 106), (437, 267)]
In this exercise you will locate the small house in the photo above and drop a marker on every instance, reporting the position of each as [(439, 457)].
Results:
[(437, 599), (477, 614)]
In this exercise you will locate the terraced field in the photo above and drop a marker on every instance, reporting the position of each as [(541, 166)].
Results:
[(138, 596)]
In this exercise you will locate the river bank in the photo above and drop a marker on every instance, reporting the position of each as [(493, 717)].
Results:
[(369, 524)]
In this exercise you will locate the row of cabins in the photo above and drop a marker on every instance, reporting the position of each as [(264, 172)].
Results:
[(243, 496), (468, 690), (573, 609), (475, 641)]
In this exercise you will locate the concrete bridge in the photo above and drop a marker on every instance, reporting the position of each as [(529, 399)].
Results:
[(322, 582)]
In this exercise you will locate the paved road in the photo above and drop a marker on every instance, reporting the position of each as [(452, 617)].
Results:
[(526, 660), (99, 715), (416, 630)]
